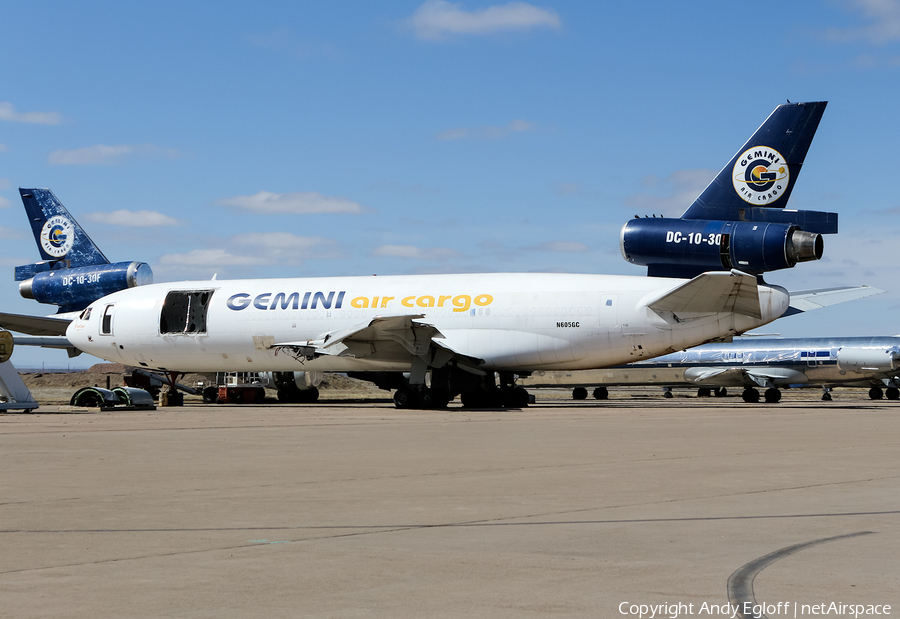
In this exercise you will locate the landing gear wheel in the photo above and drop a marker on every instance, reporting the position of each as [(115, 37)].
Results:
[(720, 392), (875, 393), (482, 398), (892, 393), (772, 396), (667, 394), (579, 393), (750, 396), (308, 396), (439, 398), (517, 397), (704, 392), (520, 397), (404, 398), (211, 394), (601, 393), (826, 397)]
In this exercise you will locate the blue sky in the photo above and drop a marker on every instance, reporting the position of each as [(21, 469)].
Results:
[(317, 139)]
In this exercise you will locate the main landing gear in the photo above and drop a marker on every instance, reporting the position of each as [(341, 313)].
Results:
[(891, 393), (751, 395), (481, 393), (708, 392)]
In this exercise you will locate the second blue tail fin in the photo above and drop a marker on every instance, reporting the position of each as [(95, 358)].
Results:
[(57, 234)]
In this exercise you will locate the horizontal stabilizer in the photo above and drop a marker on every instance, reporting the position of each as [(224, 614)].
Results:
[(34, 325), (713, 293), (808, 300)]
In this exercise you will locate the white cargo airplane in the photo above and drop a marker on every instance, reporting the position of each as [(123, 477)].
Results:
[(450, 334)]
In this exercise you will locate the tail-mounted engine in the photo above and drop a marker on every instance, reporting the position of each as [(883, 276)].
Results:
[(870, 359), (684, 247), (74, 288)]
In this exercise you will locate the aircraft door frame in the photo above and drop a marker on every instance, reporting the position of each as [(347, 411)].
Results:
[(609, 308), (107, 319)]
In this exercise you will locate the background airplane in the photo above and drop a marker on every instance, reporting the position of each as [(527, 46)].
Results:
[(770, 364)]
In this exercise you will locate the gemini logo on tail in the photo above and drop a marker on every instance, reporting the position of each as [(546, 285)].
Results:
[(760, 175), (57, 236)]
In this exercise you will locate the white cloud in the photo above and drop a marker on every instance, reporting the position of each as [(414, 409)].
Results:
[(210, 257), (9, 233), (133, 219), (487, 132), (297, 203), (257, 249), (3, 148), (676, 192), (562, 246), (9, 113), (884, 26), (4, 203), (102, 154), (433, 254), (436, 19)]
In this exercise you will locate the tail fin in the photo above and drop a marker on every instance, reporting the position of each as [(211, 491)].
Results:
[(73, 272), (740, 220), (57, 234), (757, 183)]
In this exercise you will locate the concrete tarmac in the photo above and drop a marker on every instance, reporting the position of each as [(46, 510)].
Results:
[(355, 509)]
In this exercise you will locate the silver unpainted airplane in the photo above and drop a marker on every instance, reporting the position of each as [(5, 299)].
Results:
[(447, 335), (770, 364)]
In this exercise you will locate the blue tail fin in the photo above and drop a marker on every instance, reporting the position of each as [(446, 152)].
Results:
[(57, 234), (73, 272), (757, 183)]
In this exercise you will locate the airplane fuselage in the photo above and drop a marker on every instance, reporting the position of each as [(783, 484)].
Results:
[(509, 321), (753, 362)]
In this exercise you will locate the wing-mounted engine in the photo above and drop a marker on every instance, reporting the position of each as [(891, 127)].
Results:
[(684, 247), (74, 288), (869, 359)]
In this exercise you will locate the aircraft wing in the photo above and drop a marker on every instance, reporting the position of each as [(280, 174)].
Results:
[(746, 376), (713, 293), (808, 300), (47, 341), (34, 325), (368, 339)]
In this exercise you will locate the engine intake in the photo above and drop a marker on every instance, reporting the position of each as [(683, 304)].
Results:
[(686, 247)]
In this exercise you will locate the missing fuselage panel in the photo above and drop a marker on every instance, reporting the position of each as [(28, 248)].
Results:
[(184, 311)]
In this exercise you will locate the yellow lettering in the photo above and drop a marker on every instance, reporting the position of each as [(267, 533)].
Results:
[(407, 301), (443, 298), (484, 299), (374, 302), (360, 302), (426, 301), (461, 302), (384, 301)]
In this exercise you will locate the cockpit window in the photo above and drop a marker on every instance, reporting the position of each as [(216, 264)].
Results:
[(86, 313)]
